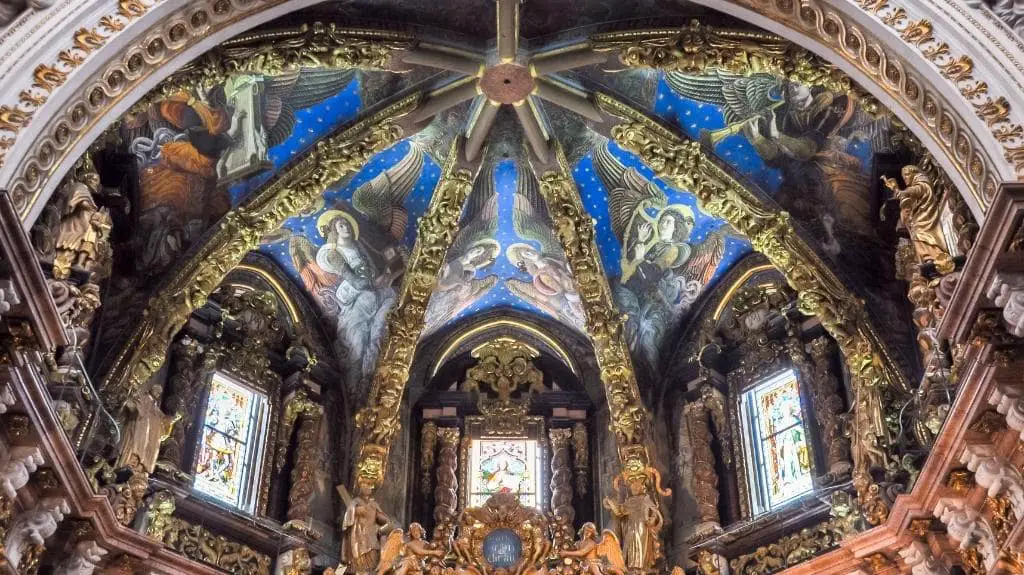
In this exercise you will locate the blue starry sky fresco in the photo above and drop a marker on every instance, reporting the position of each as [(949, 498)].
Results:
[(595, 199), (693, 117), (311, 124), (499, 296), (340, 197)]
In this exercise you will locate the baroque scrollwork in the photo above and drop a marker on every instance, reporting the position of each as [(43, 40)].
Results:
[(379, 420), (241, 231), (504, 367), (772, 233)]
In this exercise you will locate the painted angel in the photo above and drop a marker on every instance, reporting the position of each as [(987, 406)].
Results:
[(354, 272), (597, 556), (804, 132), (408, 557), (474, 249), (663, 273), (551, 287)]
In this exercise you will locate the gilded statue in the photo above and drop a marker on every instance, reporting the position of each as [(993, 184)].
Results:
[(921, 212), (597, 556), (412, 556), (639, 518), (83, 229), (362, 526), (146, 428)]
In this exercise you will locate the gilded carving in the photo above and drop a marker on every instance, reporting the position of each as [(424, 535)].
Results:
[(241, 231), (581, 457), (705, 478), (501, 511), (639, 517), (828, 405), (820, 293), (562, 511), (788, 551), (504, 367), (297, 405), (303, 480), (412, 556), (446, 498), (361, 526), (428, 448), (596, 556), (146, 428), (920, 213), (379, 420), (183, 383)]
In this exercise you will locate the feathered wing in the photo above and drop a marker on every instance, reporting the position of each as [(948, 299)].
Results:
[(295, 90), (528, 291), (740, 97), (382, 199), (303, 254), (390, 551), (480, 220), (704, 258), (609, 549), (447, 304), (627, 190), (530, 217)]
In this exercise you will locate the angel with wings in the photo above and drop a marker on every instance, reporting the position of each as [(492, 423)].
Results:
[(598, 556), (551, 286), (414, 556), (474, 249), (663, 273), (803, 131), (353, 274)]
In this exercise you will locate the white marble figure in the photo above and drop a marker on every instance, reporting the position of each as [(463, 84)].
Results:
[(919, 557), (1009, 402), (16, 471), (83, 559), (34, 526), (969, 528), (1007, 291), (8, 296), (11, 9), (996, 474)]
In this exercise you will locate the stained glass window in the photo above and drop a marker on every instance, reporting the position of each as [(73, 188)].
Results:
[(228, 448), (504, 466), (778, 457)]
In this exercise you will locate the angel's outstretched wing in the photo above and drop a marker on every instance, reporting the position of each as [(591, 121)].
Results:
[(480, 220), (627, 189), (382, 199), (740, 97), (295, 90), (447, 304), (704, 258), (390, 551), (609, 549), (530, 217), (303, 254)]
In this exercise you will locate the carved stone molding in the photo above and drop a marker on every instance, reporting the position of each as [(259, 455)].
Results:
[(11, 10), (1009, 401), (83, 560), (1007, 291), (33, 527), (1008, 11), (996, 474), (969, 528), (561, 488), (14, 475), (446, 497), (919, 557)]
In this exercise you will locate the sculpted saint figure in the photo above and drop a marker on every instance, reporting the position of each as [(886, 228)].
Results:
[(920, 212), (83, 227), (597, 556), (147, 427), (640, 521), (362, 524)]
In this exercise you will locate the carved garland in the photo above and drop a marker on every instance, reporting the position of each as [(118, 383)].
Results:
[(241, 231), (379, 420), (820, 293)]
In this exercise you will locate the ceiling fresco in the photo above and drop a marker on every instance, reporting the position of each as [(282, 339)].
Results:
[(351, 251)]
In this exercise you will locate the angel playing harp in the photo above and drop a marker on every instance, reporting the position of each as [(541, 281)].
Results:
[(598, 556), (413, 556), (551, 286), (663, 273), (351, 277), (474, 249), (802, 131)]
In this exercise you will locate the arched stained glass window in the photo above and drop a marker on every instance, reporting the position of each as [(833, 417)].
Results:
[(228, 455), (777, 451), (504, 466)]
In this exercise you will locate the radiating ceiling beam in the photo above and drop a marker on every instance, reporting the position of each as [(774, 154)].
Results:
[(478, 132), (443, 59), (533, 129), (561, 60), (567, 98), (440, 100), (508, 30)]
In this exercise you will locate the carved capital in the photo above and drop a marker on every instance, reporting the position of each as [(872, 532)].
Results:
[(969, 528), (996, 474), (1009, 401), (1007, 292), (919, 557), (83, 560)]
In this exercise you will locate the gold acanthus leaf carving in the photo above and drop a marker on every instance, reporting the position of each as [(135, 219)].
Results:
[(379, 420), (820, 293), (274, 53), (240, 231)]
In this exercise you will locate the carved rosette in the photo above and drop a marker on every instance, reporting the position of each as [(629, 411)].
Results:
[(446, 496), (240, 231), (379, 420), (581, 457), (820, 293), (561, 488), (705, 478), (428, 447)]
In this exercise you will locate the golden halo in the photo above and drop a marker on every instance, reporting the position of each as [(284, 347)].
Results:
[(329, 216)]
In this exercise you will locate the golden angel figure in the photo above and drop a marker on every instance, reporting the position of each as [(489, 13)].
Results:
[(921, 214), (147, 427), (363, 521), (598, 556), (639, 519), (408, 557)]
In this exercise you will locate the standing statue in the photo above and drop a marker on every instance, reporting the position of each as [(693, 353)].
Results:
[(147, 427), (639, 519), (921, 214), (362, 525), (408, 557), (597, 556), (83, 229)]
